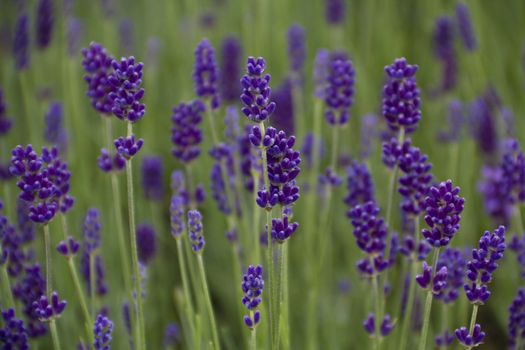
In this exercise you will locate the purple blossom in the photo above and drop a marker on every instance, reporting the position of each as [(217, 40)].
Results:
[(369, 132), (206, 74), (282, 230), (127, 147), (146, 243), (60, 176), (68, 248), (335, 11), (47, 309), (252, 287), (21, 42), (359, 185), (283, 117), (218, 189), (231, 52), (91, 230), (516, 322), (513, 167), (339, 91), (102, 331), (517, 245), (152, 171), (393, 151), (493, 188), (125, 99), (195, 230), (97, 65), (256, 91), (186, 135), (321, 71), (401, 102), (412, 250), (44, 23), (444, 340), (109, 163), (55, 132), (444, 50), (443, 207), (453, 260), (470, 340), (456, 119), (177, 215), (14, 334), (385, 328), (171, 335), (28, 290), (465, 27), (296, 51), (484, 262), (483, 126), (435, 283), (101, 287)]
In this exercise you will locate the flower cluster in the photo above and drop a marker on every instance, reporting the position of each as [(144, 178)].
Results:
[(455, 263), (370, 232), (14, 334), (516, 323), (177, 215), (59, 175), (386, 327), (513, 168), (470, 340), (435, 283), (359, 184), (152, 178), (321, 65), (206, 74), (230, 69), (47, 309), (127, 147), (125, 97), (55, 133), (444, 50), (44, 23), (466, 30), (108, 163), (393, 151), (517, 245), (91, 247), (256, 91), (97, 64), (69, 247), (21, 42), (443, 207), (339, 91), (195, 230), (484, 262), (186, 135), (102, 331), (401, 103), (252, 286), (146, 243), (296, 50)]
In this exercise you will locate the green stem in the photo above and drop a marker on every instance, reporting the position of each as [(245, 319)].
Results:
[(47, 247), (411, 293), (279, 290), (185, 286), (92, 282), (134, 252), (7, 283), (473, 321), (211, 315), (444, 321), (335, 141), (428, 307), (256, 218), (253, 340), (378, 317), (210, 113), (286, 300), (54, 334)]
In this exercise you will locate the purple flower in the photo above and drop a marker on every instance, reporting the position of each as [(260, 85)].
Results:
[(55, 133), (206, 74), (44, 23), (97, 65), (444, 339), (195, 230), (393, 151), (444, 51), (466, 30), (470, 340), (252, 286), (126, 79), (359, 184), (14, 334), (401, 103), (177, 215), (335, 11), (443, 208), (230, 69), (282, 230), (484, 262), (493, 188), (283, 117), (516, 322), (127, 147), (171, 335), (321, 71), (21, 42), (513, 167), (46, 309), (436, 283), (368, 133), (186, 135), (339, 91), (101, 287), (256, 91), (102, 330), (5, 122), (152, 181), (482, 124), (296, 51), (146, 243), (218, 189), (453, 260), (91, 230), (414, 251), (68, 248), (370, 233), (60, 176), (415, 181), (108, 163), (386, 326), (456, 119), (517, 245)]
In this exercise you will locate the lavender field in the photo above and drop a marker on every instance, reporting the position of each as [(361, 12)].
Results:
[(262, 174)]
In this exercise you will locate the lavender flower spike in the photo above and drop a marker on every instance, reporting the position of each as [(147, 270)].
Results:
[(127, 147), (152, 178), (46, 309), (470, 340), (102, 330), (126, 80), (256, 91), (466, 29), (44, 23), (146, 243), (252, 286), (14, 335), (296, 50), (206, 74), (339, 91), (230, 69), (97, 65), (177, 215), (186, 135), (516, 325), (401, 103), (195, 230), (21, 43)]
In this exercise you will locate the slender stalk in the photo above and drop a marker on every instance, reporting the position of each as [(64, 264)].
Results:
[(279, 296), (428, 308), (444, 321), (47, 247), (335, 141), (92, 282), (54, 334), (286, 300), (7, 284), (134, 252), (185, 286), (378, 317), (210, 113), (411, 293), (211, 315), (473, 321), (253, 339), (256, 218)]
